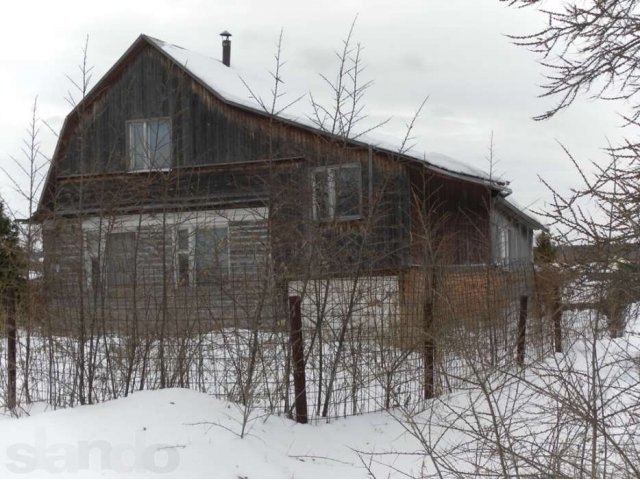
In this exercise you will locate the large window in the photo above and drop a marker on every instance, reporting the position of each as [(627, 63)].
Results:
[(202, 254), (337, 192), (120, 259), (120, 251), (110, 259), (92, 259), (183, 259), (149, 144)]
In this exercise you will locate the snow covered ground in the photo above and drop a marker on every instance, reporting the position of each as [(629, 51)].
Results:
[(182, 433), (571, 414)]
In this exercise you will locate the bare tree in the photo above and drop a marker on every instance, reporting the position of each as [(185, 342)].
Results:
[(588, 47), (27, 183), (591, 48), (565, 414), (347, 111)]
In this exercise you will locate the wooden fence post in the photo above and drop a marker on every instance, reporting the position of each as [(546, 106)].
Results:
[(429, 349), (557, 319), (11, 348), (297, 359), (522, 331)]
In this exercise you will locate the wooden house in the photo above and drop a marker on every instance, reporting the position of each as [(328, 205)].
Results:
[(170, 177)]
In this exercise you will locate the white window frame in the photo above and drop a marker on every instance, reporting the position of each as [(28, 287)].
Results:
[(179, 251), (174, 222), (89, 256), (192, 226), (145, 122), (330, 171), (102, 230), (504, 243)]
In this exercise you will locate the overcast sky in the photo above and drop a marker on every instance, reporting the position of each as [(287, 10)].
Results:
[(454, 51)]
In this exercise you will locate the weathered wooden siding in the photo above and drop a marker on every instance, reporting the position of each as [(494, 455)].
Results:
[(241, 296), (174, 190), (62, 244), (249, 247)]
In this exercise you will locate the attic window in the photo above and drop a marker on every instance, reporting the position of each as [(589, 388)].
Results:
[(149, 144), (337, 192)]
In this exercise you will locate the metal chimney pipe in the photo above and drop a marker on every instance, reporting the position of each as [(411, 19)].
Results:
[(226, 48)]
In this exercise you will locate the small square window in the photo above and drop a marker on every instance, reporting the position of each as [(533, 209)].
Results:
[(337, 192), (149, 143)]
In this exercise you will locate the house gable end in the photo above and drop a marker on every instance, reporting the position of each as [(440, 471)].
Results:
[(147, 84)]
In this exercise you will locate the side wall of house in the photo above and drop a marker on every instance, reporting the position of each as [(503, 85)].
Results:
[(512, 239)]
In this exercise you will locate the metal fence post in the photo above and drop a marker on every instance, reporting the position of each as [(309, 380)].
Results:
[(11, 349), (557, 319), (522, 330), (429, 349), (297, 359)]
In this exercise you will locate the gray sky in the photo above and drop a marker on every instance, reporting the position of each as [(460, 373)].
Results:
[(454, 51)]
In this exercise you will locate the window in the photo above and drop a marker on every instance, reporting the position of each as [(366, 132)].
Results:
[(120, 259), (92, 258), (182, 247), (202, 254), (337, 192), (503, 243), (149, 143), (118, 251), (211, 254)]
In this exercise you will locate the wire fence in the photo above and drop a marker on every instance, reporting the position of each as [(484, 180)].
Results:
[(362, 343)]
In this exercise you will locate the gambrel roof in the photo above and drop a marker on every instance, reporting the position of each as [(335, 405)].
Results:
[(241, 88), (244, 89)]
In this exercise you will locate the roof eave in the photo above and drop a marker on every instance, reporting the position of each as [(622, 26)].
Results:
[(522, 215)]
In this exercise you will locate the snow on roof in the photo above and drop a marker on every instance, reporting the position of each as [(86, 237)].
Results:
[(445, 161), (246, 89), (533, 218)]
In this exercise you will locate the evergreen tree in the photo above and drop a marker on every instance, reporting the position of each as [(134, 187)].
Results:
[(10, 255), (544, 251)]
